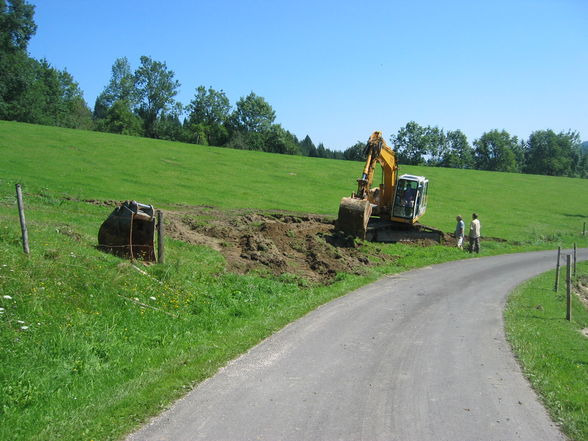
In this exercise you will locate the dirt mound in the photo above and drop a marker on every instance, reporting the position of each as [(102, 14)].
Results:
[(581, 288), (305, 246)]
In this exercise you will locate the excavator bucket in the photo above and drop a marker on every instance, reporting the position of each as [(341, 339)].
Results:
[(128, 232), (354, 215)]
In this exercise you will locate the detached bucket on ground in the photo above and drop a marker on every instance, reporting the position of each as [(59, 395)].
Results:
[(128, 232)]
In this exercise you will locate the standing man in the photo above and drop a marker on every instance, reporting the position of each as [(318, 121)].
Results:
[(459, 231), (474, 235)]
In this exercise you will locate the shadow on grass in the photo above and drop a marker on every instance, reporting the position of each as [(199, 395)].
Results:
[(581, 216)]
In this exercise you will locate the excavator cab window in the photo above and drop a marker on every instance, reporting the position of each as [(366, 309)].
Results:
[(422, 203), (408, 197)]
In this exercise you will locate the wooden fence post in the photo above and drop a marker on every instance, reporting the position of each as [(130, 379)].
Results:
[(160, 239), (23, 224), (569, 289), (574, 272), (556, 286), (584, 230)]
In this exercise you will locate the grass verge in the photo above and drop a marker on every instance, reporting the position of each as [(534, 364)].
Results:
[(84, 360), (552, 351)]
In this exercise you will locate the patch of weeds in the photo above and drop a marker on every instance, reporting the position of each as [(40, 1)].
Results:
[(48, 199), (68, 231), (50, 254), (17, 395)]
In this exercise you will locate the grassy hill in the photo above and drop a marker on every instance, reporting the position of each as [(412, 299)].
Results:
[(91, 165), (92, 346)]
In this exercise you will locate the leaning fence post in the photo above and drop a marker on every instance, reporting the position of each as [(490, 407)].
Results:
[(569, 289), (23, 224), (556, 287), (160, 234)]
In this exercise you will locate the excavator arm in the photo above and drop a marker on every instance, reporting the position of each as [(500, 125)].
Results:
[(354, 212)]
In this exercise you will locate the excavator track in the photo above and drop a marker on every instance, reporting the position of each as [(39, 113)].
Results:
[(379, 230)]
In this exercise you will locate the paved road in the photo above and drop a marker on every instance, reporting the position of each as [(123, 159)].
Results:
[(416, 356)]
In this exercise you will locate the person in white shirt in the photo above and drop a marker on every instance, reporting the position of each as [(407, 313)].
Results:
[(474, 235)]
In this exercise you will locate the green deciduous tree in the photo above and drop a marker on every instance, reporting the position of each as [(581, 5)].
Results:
[(435, 145), (156, 89), (168, 125), (73, 112), (120, 118), (121, 87), (252, 114), (548, 153), (458, 152), (410, 144), (208, 114), (498, 151), (583, 165), (419, 145), (210, 107), (279, 140)]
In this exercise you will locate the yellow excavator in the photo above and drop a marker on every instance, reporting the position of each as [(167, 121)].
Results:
[(390, 211)]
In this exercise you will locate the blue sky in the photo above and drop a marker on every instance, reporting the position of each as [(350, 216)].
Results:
[(338, 70)]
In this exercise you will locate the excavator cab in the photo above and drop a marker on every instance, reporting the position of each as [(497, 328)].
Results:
[(410, 200)]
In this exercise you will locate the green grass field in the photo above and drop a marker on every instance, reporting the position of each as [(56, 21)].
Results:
[(552, 351), (83, 360), (91, 165)]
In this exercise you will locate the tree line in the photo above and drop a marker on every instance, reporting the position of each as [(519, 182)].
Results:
[(544, 152), (32, 90), (141, 102)]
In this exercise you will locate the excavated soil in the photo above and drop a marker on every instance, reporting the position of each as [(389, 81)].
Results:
[(306, 246)]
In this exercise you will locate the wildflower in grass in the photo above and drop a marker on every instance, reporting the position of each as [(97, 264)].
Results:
[(2, 310), (7, 297), (20, 321), (24, 328), (152, 298)]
